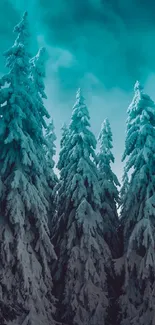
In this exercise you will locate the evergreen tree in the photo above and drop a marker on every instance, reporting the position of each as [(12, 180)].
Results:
[(38, 87), (63, 136), (138, 214), (83, 255), (63, 148), (25, 247), (109, 200), (50, 153), (52, 179), (62, 162), (109, 192), (37, 77), (59, 188), (124, 187)]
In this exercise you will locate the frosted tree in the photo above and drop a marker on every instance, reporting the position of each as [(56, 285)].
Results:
[(50, 153), (138, 214), (38, 74), (125, 186), (62, 162), (109, 192), (124, 190), (52, 179), (64, 135), (58, 187), (83, 255), (25, 247), (63, 148)]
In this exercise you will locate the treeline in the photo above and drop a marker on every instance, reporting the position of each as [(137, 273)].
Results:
[(65, 255)]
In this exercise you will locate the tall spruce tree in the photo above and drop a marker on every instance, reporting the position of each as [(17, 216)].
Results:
[(124, 191), (25, 247), (109, 200), (63, 147), (52, 179), (50, 153), (62, 162), (83, 255), (38, 74), (109, 193), (124, 187), (138, 213)]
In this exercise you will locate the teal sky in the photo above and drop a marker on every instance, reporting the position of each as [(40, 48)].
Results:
[(101, 46)]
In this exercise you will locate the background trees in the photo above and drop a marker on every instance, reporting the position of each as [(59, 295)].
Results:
[(80, 207)]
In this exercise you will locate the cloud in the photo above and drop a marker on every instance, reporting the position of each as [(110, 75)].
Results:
[(109, 39), (112, 40)]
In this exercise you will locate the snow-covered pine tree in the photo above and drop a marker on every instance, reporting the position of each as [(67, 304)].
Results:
[(62, 162), (124, 187), (25, 247), (63, 147), (123, 196), (138, 213), (52, 179), (109, 200), (83, 255), (109, 193), (64, 134), (38, 74), (50, 153)]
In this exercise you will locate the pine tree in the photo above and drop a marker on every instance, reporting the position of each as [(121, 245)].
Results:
[(63, 136), (124, 190), (25, 247), (138, 299), (83, 255), (109, 193), (63, 148), (38, 87), (50, 153), (38, 91), (124, 187), (58, 187), (109, 200), (51, 177), (62, 162)]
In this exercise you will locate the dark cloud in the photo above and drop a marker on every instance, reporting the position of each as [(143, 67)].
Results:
[(111, 39), (114, 40)]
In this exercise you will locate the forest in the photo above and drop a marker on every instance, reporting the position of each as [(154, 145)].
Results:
[(66, 255)]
